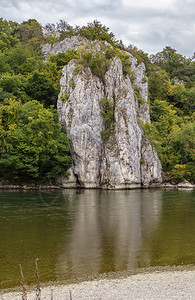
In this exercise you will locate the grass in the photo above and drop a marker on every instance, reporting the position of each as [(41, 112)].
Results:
[(24, 293), (37, 286)]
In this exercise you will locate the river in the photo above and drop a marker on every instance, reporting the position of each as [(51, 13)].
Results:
[(76, 233)]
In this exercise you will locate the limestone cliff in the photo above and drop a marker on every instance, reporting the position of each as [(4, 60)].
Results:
[(67, 44), (126, 159)]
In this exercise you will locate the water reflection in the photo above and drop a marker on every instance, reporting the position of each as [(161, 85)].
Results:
[(86, 232), (108, 230)]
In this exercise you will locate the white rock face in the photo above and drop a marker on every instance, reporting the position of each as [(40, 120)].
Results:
[(127, 159), (185, 184), (68, 44)]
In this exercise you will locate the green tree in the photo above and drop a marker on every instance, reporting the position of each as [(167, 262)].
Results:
[(14, 84), (4, 66), (52, 71), (184, 143), (4, 95), (40, 87), (65, 30), (22, 59), (8, 30), (172, 62), (159, 84), (189, 107), (96, 31), (29, 30), (177, 96), (166, 122), (32, 148)]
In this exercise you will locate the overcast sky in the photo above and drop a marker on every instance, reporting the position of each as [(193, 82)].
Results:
[(151, 25)]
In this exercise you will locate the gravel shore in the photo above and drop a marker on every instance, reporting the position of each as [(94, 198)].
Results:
[(147, 286)]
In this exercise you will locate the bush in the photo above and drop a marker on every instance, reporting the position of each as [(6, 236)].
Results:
[(62, 59), (179, 173)]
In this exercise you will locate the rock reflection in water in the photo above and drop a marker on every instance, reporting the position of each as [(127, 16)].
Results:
[(108, 230)]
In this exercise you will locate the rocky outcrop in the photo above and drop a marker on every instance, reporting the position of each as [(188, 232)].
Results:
[(186, 185), (68, 44), (126, 159)]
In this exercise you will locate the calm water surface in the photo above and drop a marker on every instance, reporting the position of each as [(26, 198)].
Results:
[(77, 233)]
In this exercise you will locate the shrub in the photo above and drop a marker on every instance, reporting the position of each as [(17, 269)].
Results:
[(179, 173), (72, 83), (107, 113), (124, 57), (97, 62), (62, 59), (139, 98)]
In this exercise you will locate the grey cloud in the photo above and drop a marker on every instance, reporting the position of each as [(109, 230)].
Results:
[(150, 28)]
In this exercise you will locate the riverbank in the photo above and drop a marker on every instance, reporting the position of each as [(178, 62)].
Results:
[(162, 284), (165, 185), (28, 187)]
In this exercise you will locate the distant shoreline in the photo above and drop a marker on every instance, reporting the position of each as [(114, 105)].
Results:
[(184, 185)]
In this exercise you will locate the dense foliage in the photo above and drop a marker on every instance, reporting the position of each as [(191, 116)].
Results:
[(172, 103), (31, 144), (93, 31), (98, 58), (32, 147)]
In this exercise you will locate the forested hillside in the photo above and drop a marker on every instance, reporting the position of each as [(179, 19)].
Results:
[(32, 147)]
